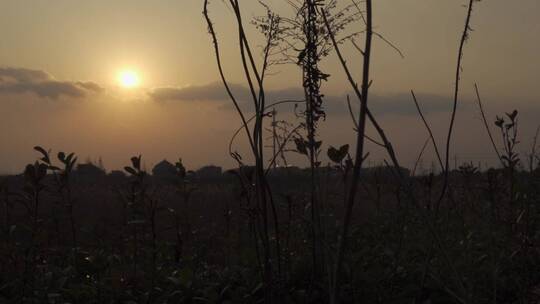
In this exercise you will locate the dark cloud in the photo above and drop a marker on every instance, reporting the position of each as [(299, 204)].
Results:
[(396, 104), (19, 81), (216, 92), (21, 75), (210, 92)]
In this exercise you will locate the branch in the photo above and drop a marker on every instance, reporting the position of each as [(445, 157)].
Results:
[(413, 172), (429, 130), (479, 100), (464, 38), (255, 116), (356, 125), (222, 75)]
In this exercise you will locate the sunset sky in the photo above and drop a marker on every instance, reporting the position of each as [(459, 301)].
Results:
[(113, 79)]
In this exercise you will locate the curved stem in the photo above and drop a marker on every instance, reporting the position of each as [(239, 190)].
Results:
[(428, 129), (464, 37)]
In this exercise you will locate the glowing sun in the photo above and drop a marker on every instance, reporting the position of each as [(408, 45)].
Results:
[(128, 79)]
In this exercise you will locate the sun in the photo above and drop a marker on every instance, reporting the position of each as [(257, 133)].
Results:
[(128, 79)]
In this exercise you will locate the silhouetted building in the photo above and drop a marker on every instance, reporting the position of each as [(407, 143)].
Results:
[(385, 173), (247, 172), (283, 171), (116, 176), (89, 172), (209, 172), (164, 171)]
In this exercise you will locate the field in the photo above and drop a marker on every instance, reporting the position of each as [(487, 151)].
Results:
[(193, 240)]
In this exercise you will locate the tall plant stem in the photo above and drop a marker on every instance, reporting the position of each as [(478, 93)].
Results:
[(359, 157), (464, 38)]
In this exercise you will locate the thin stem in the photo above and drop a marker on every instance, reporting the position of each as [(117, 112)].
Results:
[(359, 157), (222, 74), (428, 129), (486, 125), (413, 173), (464, 38)]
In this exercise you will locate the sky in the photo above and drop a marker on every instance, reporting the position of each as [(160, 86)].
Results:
[(60, 61)]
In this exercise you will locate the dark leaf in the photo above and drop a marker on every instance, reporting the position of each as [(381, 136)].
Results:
[(130, 170), (512, 115), (301, 146), (44, 153), (136, 161), (336, 155), (499, 122), (62, 156), (69, 157)]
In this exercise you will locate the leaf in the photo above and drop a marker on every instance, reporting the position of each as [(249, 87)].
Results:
[(337, 155), (136, 161), (42, 151), (499, 122), (512, 115), (343, 150), (45, 157), (62, 156), (301, 146), (130, 170)]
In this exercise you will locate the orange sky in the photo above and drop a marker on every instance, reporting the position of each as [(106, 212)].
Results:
[(65, 57)]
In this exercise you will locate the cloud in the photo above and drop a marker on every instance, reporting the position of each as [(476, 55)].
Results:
[(395, 104), (216, 92), (210, 92), (21, 75), (20, 81)]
